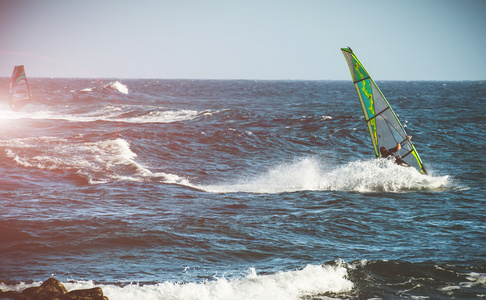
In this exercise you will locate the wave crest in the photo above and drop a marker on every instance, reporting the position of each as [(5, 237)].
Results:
[(118, 86), (98, 162)]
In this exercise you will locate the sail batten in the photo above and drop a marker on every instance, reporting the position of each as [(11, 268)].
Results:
[(19, 89), (383, 125)]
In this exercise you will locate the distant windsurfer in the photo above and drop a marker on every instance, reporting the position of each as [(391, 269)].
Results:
[(385, 153)]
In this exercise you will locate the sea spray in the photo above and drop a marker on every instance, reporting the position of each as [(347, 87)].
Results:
[(375, 175)]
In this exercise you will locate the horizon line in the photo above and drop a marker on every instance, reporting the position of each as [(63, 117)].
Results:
[(236, 79)]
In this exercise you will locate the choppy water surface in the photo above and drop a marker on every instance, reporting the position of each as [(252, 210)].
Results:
[(198, 189)]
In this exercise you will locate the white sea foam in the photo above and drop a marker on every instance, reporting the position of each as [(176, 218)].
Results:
[(163, 116), (310, 174), (474, 280), (108, 113), (290, 285), (118, 86), (99, 162), (112, 160), (112, 113)]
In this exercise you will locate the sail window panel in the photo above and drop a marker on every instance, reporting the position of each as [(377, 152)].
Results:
[(412, 161), (379, 101), (20, 90), (393, 122), (387, 135)]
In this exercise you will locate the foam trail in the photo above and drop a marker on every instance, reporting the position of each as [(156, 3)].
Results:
[(308, 173), (99, 162), (109, 113), (289, 285), (163, 116)]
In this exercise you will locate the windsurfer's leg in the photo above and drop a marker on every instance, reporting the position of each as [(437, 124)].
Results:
[(401, 162)]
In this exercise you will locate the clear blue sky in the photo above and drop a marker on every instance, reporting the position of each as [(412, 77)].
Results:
[(244, 39)]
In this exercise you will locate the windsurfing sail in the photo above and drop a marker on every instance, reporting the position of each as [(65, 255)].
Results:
[(19, 89), (384, 127)]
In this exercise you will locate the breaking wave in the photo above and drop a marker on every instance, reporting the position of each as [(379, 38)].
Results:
[(118, 86), (360, 279), (290, 285), (98, 162)]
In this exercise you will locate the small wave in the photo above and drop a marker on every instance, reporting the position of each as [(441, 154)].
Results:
[(157, 116), (110, 113), (377, 175), (99, 90), (133, 114), (98, 162), (118, 86)]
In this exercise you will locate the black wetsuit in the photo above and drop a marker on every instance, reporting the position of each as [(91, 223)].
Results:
[(386, 153)]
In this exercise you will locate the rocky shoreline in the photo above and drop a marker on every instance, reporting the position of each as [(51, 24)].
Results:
[(53, 289)]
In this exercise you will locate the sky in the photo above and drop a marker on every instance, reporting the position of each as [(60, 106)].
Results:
[(244, 39)]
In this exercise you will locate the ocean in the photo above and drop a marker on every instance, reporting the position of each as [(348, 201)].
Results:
[(241, 189)]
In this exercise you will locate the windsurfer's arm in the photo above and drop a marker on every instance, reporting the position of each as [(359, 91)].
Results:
[(395, 149), (385, 153)]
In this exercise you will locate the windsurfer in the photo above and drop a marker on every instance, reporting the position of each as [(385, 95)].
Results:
[(385, 153)]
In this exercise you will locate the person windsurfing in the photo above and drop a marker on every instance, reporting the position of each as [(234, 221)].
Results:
[(385, 153)]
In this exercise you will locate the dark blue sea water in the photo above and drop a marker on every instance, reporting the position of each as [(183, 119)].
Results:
[(206, 189)]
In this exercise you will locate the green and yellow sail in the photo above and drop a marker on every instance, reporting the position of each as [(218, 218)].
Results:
[(384, 127)]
